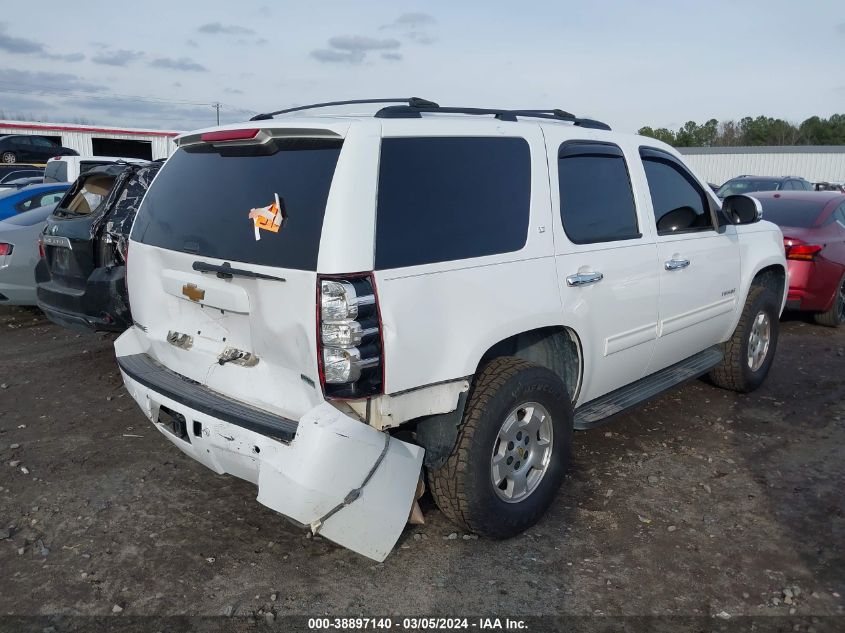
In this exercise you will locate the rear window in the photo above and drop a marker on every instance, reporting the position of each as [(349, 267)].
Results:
[(201, 201), (444, 199), (797, 213), (88, 193), (55, 171)]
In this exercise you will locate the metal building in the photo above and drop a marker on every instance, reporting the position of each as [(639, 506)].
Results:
[(816, 163), (100, 140)]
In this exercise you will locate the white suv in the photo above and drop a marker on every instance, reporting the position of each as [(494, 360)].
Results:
[(329, 306)]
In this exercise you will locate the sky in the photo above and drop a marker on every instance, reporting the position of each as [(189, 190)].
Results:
[(161, 65)]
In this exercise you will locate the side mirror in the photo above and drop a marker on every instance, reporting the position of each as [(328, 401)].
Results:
[(742, 209)]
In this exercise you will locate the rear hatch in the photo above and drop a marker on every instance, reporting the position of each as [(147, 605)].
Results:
[(222, 264), (69, 241)]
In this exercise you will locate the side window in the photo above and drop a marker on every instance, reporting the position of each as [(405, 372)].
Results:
[(29, 203), (806, 185), (680, 204), (839, 215), (50, 198), (788, 186), (596, 201), (449, 198)]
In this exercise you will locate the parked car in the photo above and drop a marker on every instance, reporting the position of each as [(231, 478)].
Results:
[(813, 226), (16, 174), (15, 148), (69, 168), (19, 240), (485, 282), (81, 279), (5, 169), (749, 184), (14, 201), (20, 183), (829, 186)]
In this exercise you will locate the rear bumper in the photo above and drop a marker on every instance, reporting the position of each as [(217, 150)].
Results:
[(812, 285), (308, 469), (101, 306), (15, 295)]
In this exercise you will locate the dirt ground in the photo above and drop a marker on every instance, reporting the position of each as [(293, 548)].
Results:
[(702, 502)]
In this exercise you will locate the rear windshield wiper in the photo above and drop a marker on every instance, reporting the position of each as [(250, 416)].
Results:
[(225, 271)]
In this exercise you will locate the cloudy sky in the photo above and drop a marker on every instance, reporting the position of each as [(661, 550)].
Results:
[(662, 62)]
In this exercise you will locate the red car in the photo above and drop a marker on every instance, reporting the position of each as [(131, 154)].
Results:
[(813, 226)]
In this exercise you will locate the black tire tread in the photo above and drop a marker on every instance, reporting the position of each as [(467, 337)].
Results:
[(729, 373), (444, 482), (831, 317)]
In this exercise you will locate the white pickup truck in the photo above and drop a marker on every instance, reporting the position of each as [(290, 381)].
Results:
[(339, 308)]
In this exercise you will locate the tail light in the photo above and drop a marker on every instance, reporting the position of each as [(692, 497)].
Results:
[(229, 135), (41, 252), (349, 337), (6, 249), (800, 250)]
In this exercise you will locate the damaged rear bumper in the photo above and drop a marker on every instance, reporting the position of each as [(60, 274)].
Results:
[(101, 305), (349, 482)]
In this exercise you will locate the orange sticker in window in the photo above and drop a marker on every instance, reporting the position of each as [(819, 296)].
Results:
[(268, 218)]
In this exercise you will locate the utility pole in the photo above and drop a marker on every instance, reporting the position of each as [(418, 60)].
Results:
[(216, 106)]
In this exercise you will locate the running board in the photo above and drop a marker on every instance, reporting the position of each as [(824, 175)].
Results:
[(597, 411)]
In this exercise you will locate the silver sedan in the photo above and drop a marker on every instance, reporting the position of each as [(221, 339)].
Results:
[(19, 254)]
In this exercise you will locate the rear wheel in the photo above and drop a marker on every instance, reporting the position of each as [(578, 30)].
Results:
[(751, 350), (8, 157), (512, 450), (836, 315)]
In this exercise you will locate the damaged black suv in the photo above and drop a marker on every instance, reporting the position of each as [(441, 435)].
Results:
[(81, 277)]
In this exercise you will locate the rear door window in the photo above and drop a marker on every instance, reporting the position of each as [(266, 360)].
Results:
[(201, 200), (450, 198), (596, 201)]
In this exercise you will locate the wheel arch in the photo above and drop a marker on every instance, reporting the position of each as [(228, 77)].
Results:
[(556, 347), (772, 276)]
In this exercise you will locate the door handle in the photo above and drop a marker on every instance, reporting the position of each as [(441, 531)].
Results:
[(676, 264), (582, 279)]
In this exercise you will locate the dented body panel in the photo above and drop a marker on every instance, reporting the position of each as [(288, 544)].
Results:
[(81, 281), (347, 481)]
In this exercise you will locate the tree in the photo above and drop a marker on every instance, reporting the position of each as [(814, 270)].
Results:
[(760, 130)]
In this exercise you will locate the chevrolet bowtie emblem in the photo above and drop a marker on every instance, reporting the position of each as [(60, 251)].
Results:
[(192, 292)]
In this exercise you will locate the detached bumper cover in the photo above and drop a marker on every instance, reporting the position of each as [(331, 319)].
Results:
[(349, 482)]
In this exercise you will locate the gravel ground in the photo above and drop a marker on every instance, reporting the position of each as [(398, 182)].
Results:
[(702, 502)]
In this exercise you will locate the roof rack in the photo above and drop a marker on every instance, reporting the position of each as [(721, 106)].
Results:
[(410, 101), (414, 107), (416, 110)]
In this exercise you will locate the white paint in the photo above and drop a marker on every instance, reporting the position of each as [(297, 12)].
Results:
[(438, 321), (331, 455)]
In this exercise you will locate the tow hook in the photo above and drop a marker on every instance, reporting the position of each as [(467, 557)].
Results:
[(238, 357)]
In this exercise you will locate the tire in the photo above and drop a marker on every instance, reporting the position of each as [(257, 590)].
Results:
[(464, 487), (736, 371), (834, 317), (8, 157)]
